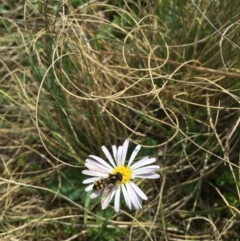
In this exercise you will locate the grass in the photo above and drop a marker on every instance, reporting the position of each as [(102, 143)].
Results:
[(80, 75)]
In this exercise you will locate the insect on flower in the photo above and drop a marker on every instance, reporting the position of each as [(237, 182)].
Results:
[(109, 179), (106, 185), (105, 182)]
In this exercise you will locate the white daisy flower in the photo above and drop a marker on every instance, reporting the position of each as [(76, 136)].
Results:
[(109, 179)]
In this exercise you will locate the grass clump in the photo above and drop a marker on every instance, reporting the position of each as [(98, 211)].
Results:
[(78, 75)]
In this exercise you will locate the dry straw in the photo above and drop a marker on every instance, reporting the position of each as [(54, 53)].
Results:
[(76, 76)]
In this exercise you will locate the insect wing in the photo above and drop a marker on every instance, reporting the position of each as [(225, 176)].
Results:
[(107, 195)]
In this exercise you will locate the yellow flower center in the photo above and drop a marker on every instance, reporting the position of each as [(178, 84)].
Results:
[(125, 171)]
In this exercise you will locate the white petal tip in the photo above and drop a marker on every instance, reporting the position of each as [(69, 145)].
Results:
[(156, 176), (95, 194), (89, 188)]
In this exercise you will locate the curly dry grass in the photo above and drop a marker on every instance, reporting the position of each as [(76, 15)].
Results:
[(86, 84)]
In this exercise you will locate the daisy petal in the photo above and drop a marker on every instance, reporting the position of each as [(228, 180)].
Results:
[(133, 196), (90, 180), (89, 188), (96, 164), (117, 200), (97, 170), (108, 155), (100, 160), (139, 200), (126, 197), (119, 156), (145, 170), (148, 176), (143, 162), (94, 173), (139, 192), (95, 194), (124, 151), (134, 154), (89, 173)]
